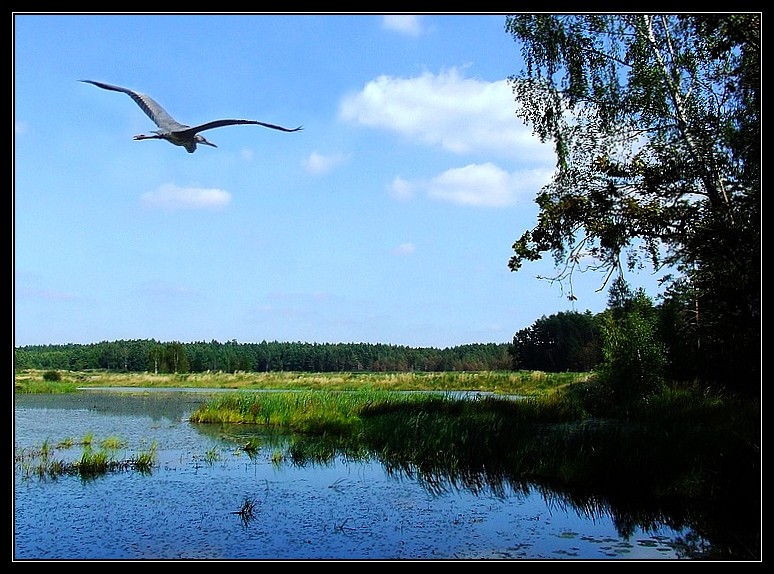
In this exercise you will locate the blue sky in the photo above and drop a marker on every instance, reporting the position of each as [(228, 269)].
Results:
[(388, 219)]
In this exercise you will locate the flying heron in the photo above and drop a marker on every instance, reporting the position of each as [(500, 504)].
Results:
[(173, 131)]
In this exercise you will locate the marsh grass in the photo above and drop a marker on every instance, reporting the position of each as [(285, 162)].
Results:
[(113, 443), (503, 382), (65, 443), (44, 462), (312, 412), (277, 457), (33, 386), (678, 443), (252, 446), (211, 456)]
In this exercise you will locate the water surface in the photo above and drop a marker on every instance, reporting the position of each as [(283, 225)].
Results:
[(188, 506)]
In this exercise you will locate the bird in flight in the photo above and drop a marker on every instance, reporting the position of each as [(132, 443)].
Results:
[(173, 131)]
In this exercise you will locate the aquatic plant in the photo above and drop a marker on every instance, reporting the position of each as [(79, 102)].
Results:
[(211, 456), (247, 512), (42, 461), (252, 446), (113, 443)]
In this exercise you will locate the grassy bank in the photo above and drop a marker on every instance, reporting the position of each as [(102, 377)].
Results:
[(687, 458), (691, 451), (504, 382)]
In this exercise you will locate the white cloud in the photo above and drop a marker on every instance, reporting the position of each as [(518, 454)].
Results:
[(318, 163), (169, 196), (474, 184), (405, 249), (484, 185), (20, 127), (410, 25), (462, 115), (401, 189), (246, 154)]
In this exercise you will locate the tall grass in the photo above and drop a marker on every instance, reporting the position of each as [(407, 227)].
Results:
[(45, 463), (33, 386), (504, 382), (301, 411), (677, 444)]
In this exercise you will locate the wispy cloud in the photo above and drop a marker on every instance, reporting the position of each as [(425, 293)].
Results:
[(405, 249), (20, 127), (45, 294), (410, 25), (459, 114), (318, 163), (166, 290), (247, 154), (172, 197), (402, 189), (169, 298)]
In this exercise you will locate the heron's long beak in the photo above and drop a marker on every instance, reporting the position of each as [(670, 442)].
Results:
[(202, 140)]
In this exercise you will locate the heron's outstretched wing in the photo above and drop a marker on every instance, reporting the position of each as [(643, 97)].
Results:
[(148, 105), (220, 123), (173, 130)]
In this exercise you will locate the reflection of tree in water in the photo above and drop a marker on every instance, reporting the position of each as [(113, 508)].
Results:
[(644, 473), (158, 405), (710, 530)]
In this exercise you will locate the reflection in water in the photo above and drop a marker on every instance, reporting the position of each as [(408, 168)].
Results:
[(629, 514), (153, 404), (247, 512), (630, 506), (292, 496)]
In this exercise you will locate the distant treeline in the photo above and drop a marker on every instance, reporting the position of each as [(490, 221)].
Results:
[(149, 355), (632, 340), (565, 341)]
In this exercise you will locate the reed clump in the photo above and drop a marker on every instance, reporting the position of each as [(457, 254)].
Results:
[(676, 443), (45, 462), (312, 412)]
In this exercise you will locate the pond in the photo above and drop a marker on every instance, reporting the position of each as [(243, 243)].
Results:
[(193, 503)]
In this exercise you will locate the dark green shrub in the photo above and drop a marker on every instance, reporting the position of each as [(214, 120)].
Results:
[(52, 376), (634, 357)]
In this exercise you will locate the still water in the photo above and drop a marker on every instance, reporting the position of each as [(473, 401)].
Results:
[(189, 506)]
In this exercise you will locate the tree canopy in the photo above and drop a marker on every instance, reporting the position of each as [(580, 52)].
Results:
[(149, 355), (655, 120)]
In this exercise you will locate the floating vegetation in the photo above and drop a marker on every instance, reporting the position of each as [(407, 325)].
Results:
[(247, 512), (252, 446), (113, 443), (277, 457), (211, 456), (43, 463)]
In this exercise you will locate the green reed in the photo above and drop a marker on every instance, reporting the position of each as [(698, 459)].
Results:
[(676, 443), (301, 411), (43, 461)]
